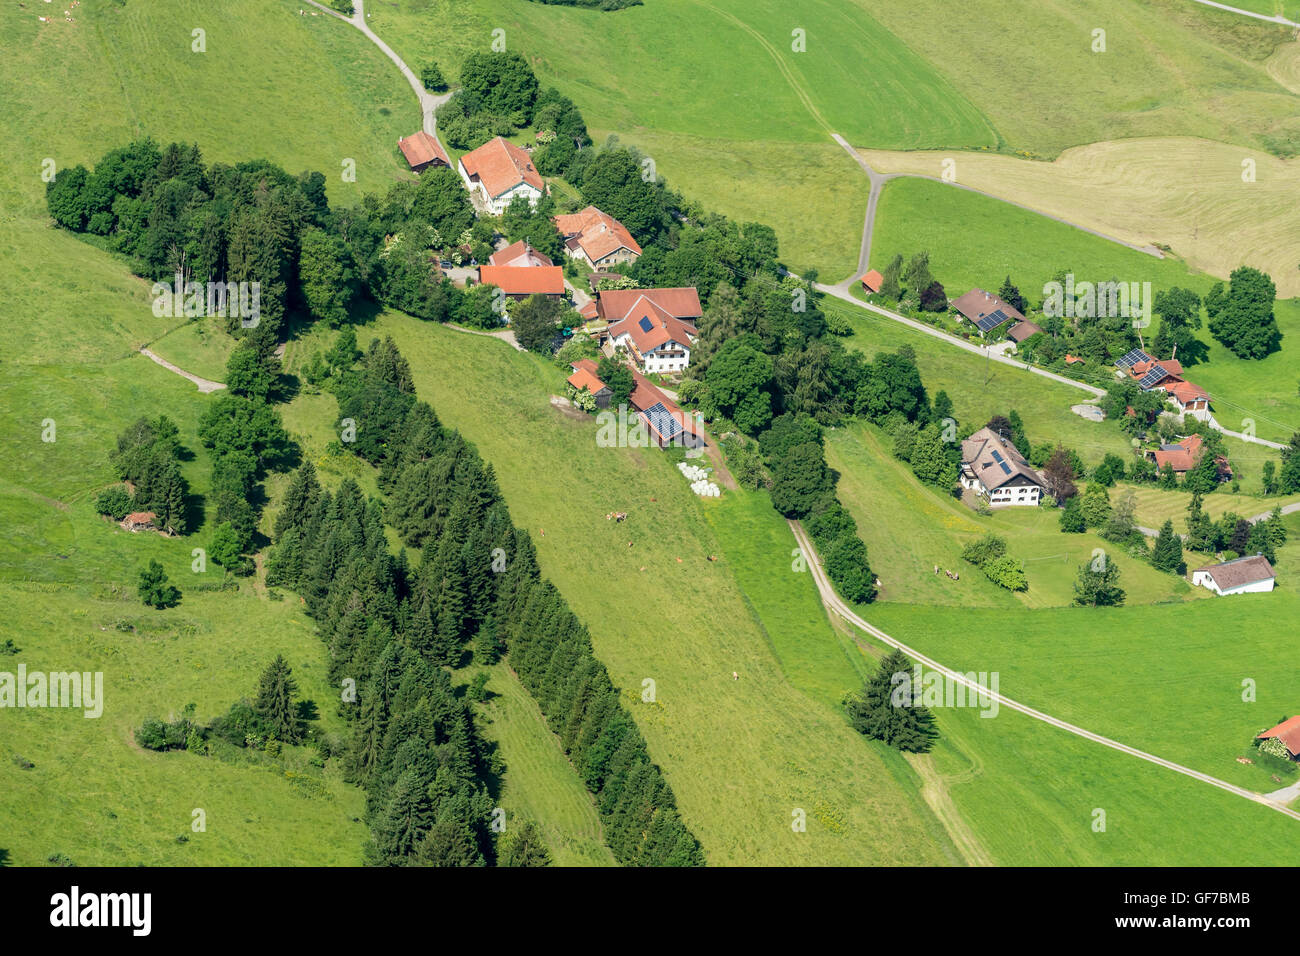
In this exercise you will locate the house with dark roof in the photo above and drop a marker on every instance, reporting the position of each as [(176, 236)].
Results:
[(498, 172), (597, 239), (423, 150), (1023, 330), (985, 310), (993, 467), (1247, 575)]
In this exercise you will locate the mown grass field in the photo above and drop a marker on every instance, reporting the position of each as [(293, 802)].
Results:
[(1138, 190), (909, 528), (976, 240), (1156, 505)]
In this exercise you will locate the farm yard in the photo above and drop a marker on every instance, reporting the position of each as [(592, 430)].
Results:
[(700, 607)]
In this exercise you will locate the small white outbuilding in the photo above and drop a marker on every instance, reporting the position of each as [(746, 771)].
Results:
[(1246, 575)]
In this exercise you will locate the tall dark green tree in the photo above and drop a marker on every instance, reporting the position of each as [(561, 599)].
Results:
[(1167, 552), (276, 702), (888, 707)]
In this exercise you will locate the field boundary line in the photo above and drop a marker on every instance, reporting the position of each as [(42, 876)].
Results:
[(1278, 18), (833, 602)]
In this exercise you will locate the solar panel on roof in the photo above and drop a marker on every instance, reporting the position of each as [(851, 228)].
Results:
[(992, 320), (664, 422), (1129, 359), (1006, 469), (645, 324), (1153, 377)]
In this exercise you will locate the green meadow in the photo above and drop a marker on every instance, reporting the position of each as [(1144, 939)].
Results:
[(976, 240)]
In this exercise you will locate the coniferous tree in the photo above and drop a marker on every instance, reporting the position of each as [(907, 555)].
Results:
[(898, 719), (276, 702), (1167, 552)]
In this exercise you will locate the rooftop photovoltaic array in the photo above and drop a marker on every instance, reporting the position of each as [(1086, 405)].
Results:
[(1153, 377), (664, 422), (992, 320), (645, 324), (1006, 469), (1129, 359)]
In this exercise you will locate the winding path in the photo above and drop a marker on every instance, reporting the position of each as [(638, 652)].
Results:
[(1247, 13), (835, 604), (429, 102), (205, 385)]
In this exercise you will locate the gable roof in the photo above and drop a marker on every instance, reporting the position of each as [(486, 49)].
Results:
[(994, 460), (976, 304), (140, 517), (681, 303), (582, 378), (1240, 571), (524, 280), (501, 166), (595, 233), (520, 254), (657, 410), (1187, 392), (872, 280), (1182, 456), (1288, 732), (650, 326), (1022, 330), (421, 148)]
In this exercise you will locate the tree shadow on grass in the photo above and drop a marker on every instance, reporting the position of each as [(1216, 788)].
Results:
[(4, 857)]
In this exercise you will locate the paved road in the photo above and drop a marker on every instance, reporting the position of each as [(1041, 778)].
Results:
[(429, 102), (205, 385), (1247, 13), (834, 603)]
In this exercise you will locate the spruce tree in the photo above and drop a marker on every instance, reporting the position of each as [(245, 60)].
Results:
[(1167, 553), (276, 704), (905, 725)]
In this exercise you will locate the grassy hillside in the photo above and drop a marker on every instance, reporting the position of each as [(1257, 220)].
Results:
[(684, 622)]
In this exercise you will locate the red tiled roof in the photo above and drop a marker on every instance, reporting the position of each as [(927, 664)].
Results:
[(1187, 392), (682, 303), (872, 281), (1022, 330), (596, 233), (1183, 456), (645, 395), (584, 379), (588, 365), (1072, 359), (500, 166), (1288, 732), (588, 311), (421, 148), (651, 326), (524, 280), (140, 517), (519, 254), (1172, 368)]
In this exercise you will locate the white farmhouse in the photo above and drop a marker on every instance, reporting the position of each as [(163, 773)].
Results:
[(1247, 575), (497, 172), (994, 467)]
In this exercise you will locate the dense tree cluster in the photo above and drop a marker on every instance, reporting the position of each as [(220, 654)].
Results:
[(989, 554), (1241, 315), (393, 625), (148, 456)]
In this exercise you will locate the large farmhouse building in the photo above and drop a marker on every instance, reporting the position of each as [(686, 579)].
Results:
[(993, 467), (666, 422), (498, 172), (1248, 575), (1288, 732), (597, 239), (656, 327), (1166, 375)]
